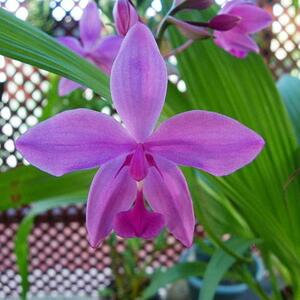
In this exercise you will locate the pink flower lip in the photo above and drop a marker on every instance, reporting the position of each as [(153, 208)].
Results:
[(138, 221)]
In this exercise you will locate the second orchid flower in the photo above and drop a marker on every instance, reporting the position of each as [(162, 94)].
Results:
[(99, 50)]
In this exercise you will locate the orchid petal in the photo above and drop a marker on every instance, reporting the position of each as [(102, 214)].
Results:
[(71, 43), (138, 221), (230, 4), (253, 18), (167, 193), (139, 82), (206, 140), (74, 140), (106, 52), (111, 192), (125, 16), (90, 25), (236, 43), (66, 86)]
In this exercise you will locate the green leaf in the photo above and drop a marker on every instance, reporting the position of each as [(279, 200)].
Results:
[(176, 101), (244, 90), (25, 184), (289, 88), (76, 99), (20, 40), (296, 4), (218, 265), (21, 241), (179, 271)]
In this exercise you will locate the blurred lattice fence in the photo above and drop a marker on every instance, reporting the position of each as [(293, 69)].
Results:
[(61, 262), (281, 43)]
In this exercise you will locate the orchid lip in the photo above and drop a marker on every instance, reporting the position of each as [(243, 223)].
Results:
[(138, 221)]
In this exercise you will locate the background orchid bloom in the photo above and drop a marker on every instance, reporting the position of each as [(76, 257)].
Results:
[(135, 161), (101, 51), (238, 40)]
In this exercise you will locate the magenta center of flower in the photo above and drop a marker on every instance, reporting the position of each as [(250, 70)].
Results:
[(138, 221), (139, 164)]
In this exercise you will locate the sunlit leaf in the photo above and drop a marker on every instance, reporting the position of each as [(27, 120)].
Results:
[(25, 184), (244, 90)]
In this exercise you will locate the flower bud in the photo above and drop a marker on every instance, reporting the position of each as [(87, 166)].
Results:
[(193, 32), (125, 16), (223, 22)]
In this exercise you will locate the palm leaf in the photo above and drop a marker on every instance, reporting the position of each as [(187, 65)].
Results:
[(245, 91)]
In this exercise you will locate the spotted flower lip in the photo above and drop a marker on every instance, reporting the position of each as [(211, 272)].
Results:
[(137, 162), (99, 50), (238, 40)]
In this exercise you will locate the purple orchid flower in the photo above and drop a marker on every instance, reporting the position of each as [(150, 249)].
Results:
[(238, 40), (135, 160), (101, 51)]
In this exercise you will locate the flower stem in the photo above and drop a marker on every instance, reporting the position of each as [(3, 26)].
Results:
[(179, 49), (163, 25)]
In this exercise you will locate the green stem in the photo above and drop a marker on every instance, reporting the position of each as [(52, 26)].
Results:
[(273, 279), (163, 25), (253, 284), (179, 49)]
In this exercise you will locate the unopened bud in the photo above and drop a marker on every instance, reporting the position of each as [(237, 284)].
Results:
[(125, 16), (191, 31), (223, 22)]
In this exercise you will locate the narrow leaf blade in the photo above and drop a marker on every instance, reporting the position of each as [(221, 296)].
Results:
[(219, 264), (21, 41)]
